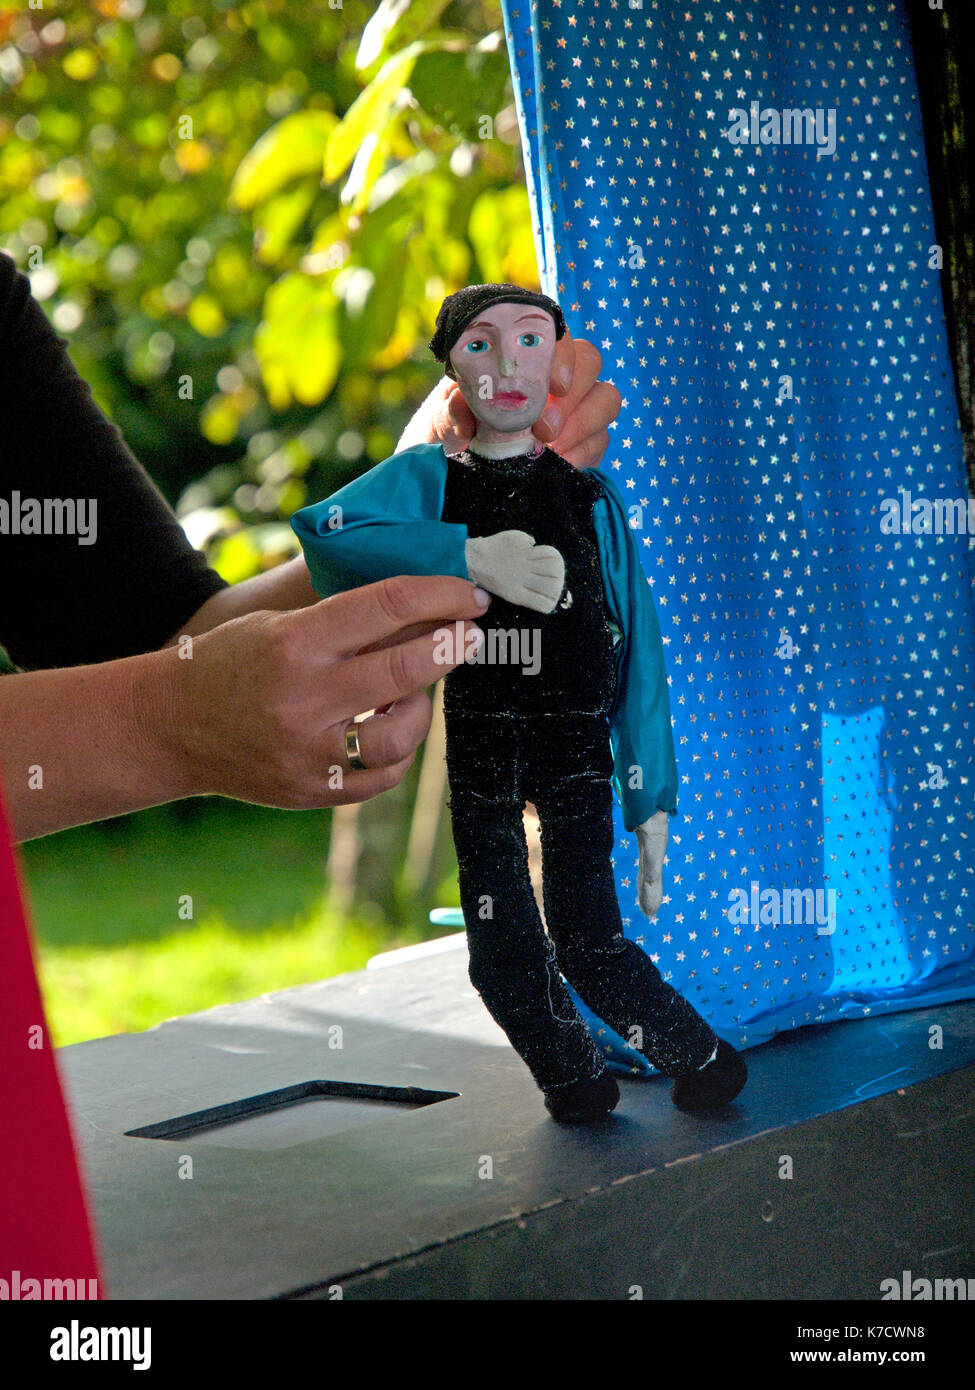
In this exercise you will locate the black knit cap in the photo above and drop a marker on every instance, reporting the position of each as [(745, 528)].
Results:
[(460, 308)]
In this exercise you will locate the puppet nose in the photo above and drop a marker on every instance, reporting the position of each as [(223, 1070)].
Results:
[(509, 365)]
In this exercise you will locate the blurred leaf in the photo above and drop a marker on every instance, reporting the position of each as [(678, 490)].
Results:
[(367, 330), (292, 149), (500, 231), (206, 316), (80, 64), (277, 42), (275, 541), (298, 343), (193, 156), (396, 22), (278, 219), (457, 89), (395, 180), (219, 420), (369, 163), (369, 112), (236, 557), (204, 524)]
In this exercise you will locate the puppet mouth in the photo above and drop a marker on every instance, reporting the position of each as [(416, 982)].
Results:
[(509, 400)]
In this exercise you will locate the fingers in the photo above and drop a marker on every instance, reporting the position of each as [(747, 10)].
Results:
[(387, 739), (377, 678), (548, 592), (346, 623), (443, 417), (450, 418), (545, 559), (592, 416), (547, 586), (588, 362), (358, 786), (575, 424), (588, 454), (421, 427), (404, 634), (544, 582), (458, 423), (545, 579), (564, 364)]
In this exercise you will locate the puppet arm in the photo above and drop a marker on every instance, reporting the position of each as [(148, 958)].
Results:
[(645, 769), (383, 524), (387, 523), (651, 838), (511, 565)]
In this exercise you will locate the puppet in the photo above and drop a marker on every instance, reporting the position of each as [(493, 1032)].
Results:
[(589, 710)]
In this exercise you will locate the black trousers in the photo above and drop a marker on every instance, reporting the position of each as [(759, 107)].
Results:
[(563, 764)]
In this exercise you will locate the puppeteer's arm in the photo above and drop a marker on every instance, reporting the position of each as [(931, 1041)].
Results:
[(383, 524)]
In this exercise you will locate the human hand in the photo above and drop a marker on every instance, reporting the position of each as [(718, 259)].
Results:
[(652, 838), (259, 711), (511, 565), (574, 422)]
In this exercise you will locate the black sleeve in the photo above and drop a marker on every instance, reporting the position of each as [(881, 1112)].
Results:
[(121, 577)]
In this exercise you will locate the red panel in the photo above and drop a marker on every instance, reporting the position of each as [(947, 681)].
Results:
[(44, 1227)]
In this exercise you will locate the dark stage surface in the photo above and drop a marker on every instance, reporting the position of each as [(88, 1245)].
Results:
[(482, 1196)]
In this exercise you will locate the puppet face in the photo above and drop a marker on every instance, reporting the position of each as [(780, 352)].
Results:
[(503, 363)]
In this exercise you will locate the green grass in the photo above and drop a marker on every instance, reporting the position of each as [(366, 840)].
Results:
[(89, 994), (115, 954)]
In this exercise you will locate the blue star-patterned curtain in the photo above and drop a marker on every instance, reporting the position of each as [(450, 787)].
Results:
[(765, 290)]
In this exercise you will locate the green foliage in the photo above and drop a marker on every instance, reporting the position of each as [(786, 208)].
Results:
[(243, 218)]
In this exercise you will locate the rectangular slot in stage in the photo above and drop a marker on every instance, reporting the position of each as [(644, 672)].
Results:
[(292, 1115)]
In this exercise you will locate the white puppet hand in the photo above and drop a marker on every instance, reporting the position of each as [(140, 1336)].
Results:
[(512, 566), (652, 838)]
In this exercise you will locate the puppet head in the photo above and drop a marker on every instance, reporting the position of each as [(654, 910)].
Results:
[(498, 342)]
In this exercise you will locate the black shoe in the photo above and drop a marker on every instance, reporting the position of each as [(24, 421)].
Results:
[(583, 1101), (713, 1085)]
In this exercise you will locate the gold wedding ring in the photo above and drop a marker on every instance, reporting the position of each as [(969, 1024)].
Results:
[(352, 748)]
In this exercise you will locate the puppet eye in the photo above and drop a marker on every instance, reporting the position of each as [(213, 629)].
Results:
[(476, 345), (533, 337)]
